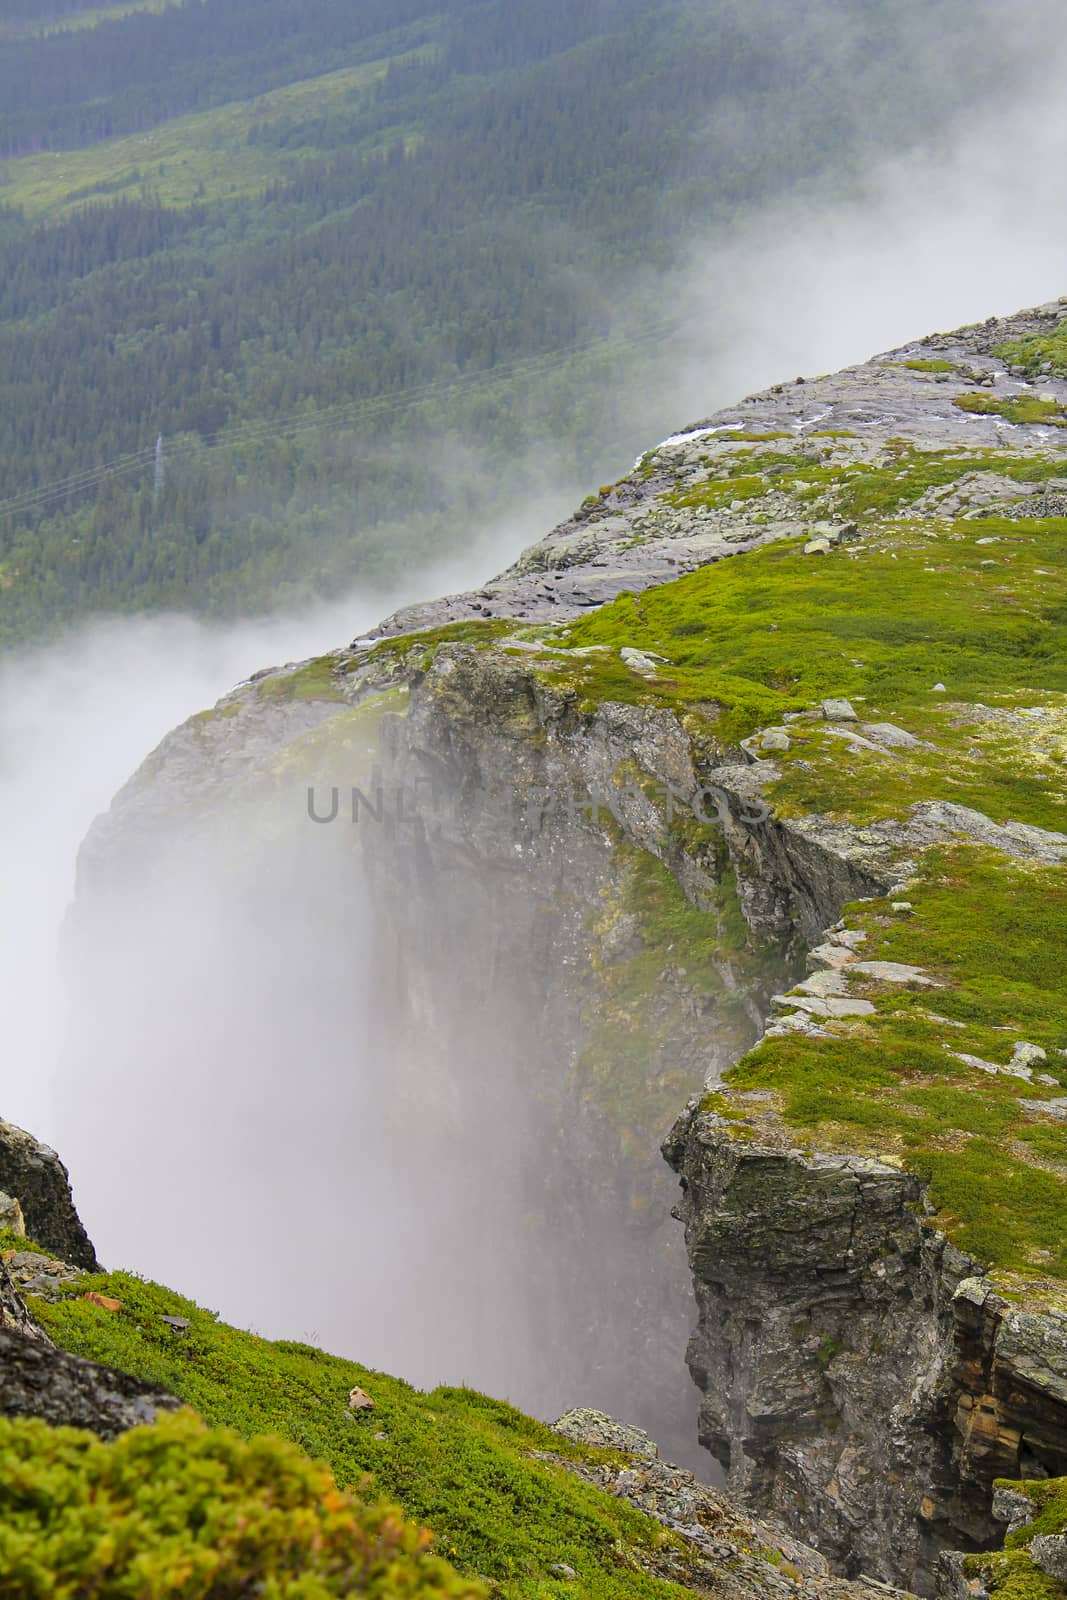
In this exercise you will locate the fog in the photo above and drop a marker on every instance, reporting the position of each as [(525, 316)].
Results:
[(222, 1104), (933, 241), (76, 720)]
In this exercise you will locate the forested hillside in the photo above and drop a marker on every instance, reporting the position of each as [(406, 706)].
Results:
[(363, 268)]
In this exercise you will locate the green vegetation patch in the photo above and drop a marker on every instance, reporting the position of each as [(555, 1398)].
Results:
[(718, 492), (179, 1510), (314, 681), (454, 1460), (345, 748), (1011, 1573), (1048, 1496), (1017, 408), (1039, 350), (10, 1242), (933, 364), (208, 155), (410, 646), (880, 622), (894, 1084), (1011, 767)]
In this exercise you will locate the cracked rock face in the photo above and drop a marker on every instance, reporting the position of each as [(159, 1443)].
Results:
[(858, 1377), (39, 1380)]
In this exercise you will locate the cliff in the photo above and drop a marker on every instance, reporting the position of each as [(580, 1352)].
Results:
[(773, 728)]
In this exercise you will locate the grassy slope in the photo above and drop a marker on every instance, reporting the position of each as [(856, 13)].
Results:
[(455, 1460)]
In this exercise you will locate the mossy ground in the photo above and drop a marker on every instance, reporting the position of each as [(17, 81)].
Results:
[(315, 680), (893, 1084), (456, 1461), (1011, 1574), (1017, 408), (1039, 352), (881, 622)]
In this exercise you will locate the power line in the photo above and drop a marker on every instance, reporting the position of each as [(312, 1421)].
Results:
[(329, 419)]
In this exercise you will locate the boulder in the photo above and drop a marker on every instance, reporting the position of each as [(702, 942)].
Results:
[(37, 1380), (584, 1426), (33, 1173)]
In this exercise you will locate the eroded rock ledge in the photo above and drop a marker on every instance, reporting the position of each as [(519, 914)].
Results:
[(859, 1375)]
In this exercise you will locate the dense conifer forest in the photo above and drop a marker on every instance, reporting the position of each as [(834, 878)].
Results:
[(363, 268)]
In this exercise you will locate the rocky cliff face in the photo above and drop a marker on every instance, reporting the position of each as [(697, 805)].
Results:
[(860, 1376), (622, 797)]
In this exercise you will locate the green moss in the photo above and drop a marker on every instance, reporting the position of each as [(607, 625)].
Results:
[(1048, 1496), (637, 1065), (747, 436), (13, 1241), (344, 749), (314, 681), (454, 1460), (775, 631), (895, 1086), (484, 631), (935, 364), (177, 1510), (828, 1349), (1011, 1575), (1039, 350), (1017, 408), (219, 713), (722, 1106), (718, 492)]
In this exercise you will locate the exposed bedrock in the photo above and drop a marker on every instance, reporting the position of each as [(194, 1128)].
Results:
[(33, 1173), (859, 1377)]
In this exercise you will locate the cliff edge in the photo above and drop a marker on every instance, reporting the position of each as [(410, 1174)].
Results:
[(748, 787)]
